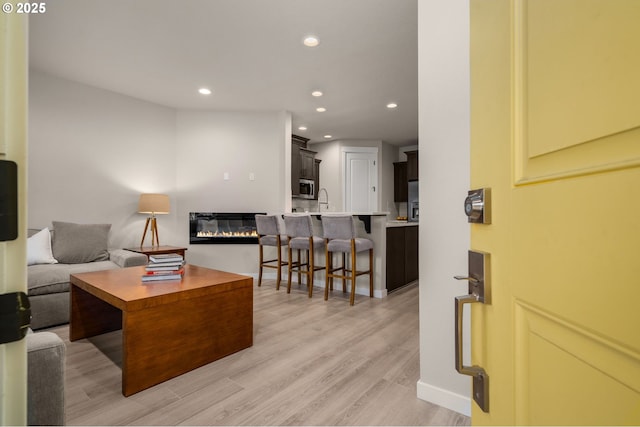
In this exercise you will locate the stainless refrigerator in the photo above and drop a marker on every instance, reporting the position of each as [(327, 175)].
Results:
[(413, 207)]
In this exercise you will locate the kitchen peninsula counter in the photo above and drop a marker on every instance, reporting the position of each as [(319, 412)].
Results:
[(402, 254), (365, 217), (397, 223)]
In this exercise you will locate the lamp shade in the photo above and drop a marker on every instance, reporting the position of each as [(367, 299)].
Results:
[(153, 204)]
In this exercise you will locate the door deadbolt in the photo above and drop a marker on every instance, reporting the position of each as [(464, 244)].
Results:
[(477, 206)]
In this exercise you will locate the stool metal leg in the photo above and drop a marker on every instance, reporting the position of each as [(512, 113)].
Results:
[(344, 272), (279, 269), (310, 266), (290, 254), (371, 273), (353, 273), (260, 271)]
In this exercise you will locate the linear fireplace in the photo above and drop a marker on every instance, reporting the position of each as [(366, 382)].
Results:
[(222, 227)]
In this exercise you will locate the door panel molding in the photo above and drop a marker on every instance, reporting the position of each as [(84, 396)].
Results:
[(570, 117), (605, 368)]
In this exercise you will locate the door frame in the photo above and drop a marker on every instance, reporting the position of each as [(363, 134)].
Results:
[(13, 254)]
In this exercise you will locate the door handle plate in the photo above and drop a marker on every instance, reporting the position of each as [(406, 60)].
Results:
[(478, 278)]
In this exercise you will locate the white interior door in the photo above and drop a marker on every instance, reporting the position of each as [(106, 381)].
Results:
[(361, 180), (13, 259)]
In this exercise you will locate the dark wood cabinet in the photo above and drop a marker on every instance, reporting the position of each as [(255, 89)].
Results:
[(297, 143), (412, 165), (400, 182), (304, 165), (395, 258), (307, 165), (295, 170), (411, 253), (402, 256), (316, 177)]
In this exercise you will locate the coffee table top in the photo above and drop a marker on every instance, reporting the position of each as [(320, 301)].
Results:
[(124, 289)]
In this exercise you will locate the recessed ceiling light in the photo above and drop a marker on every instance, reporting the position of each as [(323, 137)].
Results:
[(328, 136), (302, 128), (321, 109), (316, 93), (392, 105), (311, 41), (204, 91)]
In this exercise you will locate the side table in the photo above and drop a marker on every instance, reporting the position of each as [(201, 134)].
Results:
[(157, 250)]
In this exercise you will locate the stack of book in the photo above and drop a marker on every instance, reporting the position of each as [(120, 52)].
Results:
[(164, 267)]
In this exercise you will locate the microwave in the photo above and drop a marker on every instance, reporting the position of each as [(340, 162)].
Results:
[(307, 189)]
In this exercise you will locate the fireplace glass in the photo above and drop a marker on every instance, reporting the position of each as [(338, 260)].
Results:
[(222, 227)]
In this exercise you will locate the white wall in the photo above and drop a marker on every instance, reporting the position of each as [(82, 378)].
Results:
[(92, 152), (443, 40), (211, 144), (330, 172)]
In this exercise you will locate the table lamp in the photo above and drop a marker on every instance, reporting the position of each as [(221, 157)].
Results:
[(152, 204)]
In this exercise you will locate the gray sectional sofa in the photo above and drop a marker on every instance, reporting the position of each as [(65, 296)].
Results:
[(52, 256), (68, 249)]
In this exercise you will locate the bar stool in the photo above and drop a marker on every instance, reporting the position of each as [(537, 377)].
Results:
[(340, 236), (269, 234), (300, 237)]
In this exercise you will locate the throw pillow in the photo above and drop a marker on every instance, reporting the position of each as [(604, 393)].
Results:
[(80, 243), (39, 248)]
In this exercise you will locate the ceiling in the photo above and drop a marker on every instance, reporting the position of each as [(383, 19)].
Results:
[(250, 54)]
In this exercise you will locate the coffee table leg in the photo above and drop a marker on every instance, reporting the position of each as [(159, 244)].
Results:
[(90, 315)]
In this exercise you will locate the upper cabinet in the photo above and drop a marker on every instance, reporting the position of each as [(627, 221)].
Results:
[(296, 144), (307, 158), (403, 172), (400, 182), (304, 165), (316, 177), (412, 165)]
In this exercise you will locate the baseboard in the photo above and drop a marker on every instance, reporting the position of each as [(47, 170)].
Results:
[(444, 398)]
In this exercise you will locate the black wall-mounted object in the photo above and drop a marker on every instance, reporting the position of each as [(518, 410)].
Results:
[(15, 316), (8, 200)]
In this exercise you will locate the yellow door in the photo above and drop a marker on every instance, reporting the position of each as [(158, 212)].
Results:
[(555, 134)]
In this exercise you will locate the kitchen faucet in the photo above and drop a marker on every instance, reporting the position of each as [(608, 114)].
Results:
[(327, 198)]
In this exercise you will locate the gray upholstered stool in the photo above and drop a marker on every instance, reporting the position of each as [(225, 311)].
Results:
[(300, 237), (269, 234), (340, 236)]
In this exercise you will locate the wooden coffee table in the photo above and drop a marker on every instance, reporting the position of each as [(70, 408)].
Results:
[(168, 327)]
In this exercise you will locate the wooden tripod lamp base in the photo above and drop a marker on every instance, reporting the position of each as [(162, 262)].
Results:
[(155, 241), (152, 204)]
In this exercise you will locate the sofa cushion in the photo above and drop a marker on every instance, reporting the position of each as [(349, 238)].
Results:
[(80, 243), (39, 248), (50, 279), (47, 278)]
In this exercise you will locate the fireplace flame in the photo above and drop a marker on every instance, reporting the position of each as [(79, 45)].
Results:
[(252, 233)]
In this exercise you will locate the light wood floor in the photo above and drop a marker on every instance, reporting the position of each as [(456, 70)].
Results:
[(312, 363)]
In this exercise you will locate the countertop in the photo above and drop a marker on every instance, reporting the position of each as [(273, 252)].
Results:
[(345, 213), (395, 223)]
